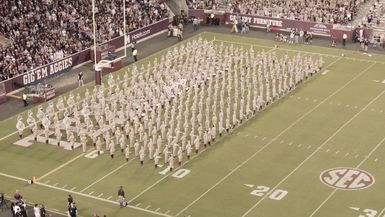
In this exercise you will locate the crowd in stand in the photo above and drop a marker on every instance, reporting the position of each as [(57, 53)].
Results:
[(200, 4), (325, 11), (374, 18), (42, 31)]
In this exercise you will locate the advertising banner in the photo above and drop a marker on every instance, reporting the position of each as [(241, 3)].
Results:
[(281, 24), (144, 32)]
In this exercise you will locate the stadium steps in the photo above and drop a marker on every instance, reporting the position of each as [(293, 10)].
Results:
[(4, 42), (176, 6), (377, 30), (364, 9)]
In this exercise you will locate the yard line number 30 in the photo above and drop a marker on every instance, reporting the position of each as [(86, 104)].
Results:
[(276, 194)]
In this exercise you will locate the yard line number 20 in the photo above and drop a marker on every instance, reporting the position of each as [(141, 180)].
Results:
[(261, 190)]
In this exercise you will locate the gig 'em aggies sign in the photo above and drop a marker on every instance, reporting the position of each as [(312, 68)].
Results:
[(347, 178), (47, 70)]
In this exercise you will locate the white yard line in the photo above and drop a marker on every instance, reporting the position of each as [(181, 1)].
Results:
[(100, 199), (358, 166), (316, 151), (11, 134), (299, 51), (381, 213), (151, 186), (277, 136), (13, 177), (108, 174), (83, 195), (61, 166)]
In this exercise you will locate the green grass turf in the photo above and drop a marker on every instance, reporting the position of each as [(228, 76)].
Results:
[(332, 120)]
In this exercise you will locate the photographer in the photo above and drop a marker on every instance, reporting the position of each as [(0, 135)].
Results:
[(19, 209)]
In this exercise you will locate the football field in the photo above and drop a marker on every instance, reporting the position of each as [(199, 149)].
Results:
[(318, 151)]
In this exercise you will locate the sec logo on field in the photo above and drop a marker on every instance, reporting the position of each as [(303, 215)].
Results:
[(347, 178)]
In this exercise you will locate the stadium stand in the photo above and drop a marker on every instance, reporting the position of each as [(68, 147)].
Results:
[(44, 31), (374, 18), (199, 4), (325, 11)]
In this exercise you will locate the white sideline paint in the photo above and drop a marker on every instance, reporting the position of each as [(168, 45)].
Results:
[(305, 52), (316, 151), (281, 133), (83, 195), (11, 134), (358, 166), (108, 174), (381, 213)]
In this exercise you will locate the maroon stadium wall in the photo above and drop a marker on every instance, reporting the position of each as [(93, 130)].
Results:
[(3, 97), (67, 63)]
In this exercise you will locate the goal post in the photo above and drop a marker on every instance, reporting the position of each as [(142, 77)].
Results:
[(100, 64)]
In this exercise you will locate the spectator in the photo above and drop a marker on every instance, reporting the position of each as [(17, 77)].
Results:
[(72, 210), (25, 99), (122, 197), (195, 23), (81, 79), (344, 37), (121, 192), (18, 196), (70, 200), (135, 54), (366, 45), (324, 11), (36, 211), (43, 212), (44, 31)]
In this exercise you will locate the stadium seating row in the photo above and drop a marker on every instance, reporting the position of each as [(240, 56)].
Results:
[(324, 11), (42, 31)]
